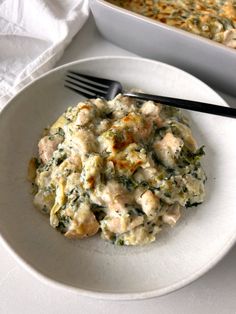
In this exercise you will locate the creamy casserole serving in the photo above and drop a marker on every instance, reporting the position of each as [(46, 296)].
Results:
[(213, 19), (124, 167)]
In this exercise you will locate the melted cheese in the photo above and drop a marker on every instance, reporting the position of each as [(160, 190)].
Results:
[(213, 19), (121, 166)]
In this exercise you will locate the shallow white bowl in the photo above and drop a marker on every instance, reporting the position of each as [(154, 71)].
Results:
[(93, 267)]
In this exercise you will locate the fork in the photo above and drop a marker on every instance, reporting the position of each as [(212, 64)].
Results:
[(97, 87)]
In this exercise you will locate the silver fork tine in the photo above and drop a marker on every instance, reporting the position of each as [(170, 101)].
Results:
[(98, 87), (94, 79), (87, 89)]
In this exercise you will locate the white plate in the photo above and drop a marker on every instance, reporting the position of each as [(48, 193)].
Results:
[(93, 267)]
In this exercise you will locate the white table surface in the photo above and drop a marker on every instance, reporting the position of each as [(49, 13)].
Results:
[(21, 293)]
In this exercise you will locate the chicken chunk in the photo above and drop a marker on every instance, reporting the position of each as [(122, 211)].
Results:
[(84, 224), (148, 201), (86, 114), (168, 149), (47, 145), (115, 196), (172, 215), (152, 111), (83, 142), (149, 108), (184, 132), (230, 38), (121, 224)]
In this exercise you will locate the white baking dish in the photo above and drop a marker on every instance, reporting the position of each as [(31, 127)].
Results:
[(212, 62)]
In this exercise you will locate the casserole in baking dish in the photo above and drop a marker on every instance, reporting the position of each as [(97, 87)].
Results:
[(213, 62), (212, 19)]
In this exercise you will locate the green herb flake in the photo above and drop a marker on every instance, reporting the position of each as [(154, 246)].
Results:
[(188, 204)]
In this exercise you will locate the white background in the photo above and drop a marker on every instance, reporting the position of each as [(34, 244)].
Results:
[(20, 292)]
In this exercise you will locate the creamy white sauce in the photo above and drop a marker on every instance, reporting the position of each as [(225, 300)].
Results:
[(124, 167)]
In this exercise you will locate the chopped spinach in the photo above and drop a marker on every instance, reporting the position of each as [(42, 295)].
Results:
[(63, 224), (128, 183), (188, 204), (135, 211), (61, 132), (189, 157), (120, 242), (59, 160)]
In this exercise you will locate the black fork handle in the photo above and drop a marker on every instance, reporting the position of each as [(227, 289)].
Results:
[(187, 104)]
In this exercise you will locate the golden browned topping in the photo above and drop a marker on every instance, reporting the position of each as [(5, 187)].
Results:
[(213, 19), (124, 167)]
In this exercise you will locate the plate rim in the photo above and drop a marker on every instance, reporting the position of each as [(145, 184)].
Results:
[(107, 295)]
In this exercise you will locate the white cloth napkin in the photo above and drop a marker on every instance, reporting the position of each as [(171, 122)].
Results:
[(33, 36)]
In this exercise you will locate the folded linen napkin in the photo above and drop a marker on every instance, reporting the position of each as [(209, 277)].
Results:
[(33, 36)]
